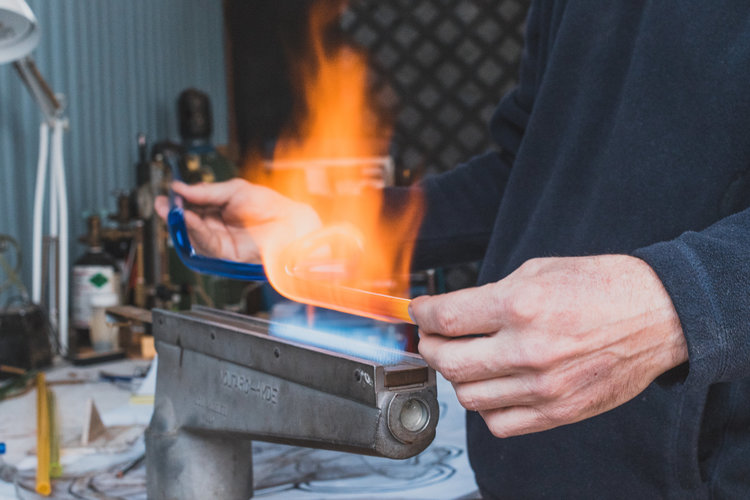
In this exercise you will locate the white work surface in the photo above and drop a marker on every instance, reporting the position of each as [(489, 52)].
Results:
[(280, 472)]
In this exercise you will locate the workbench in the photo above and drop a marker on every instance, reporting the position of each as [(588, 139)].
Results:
[(440, 472)]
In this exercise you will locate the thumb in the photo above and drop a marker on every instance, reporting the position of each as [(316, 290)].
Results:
[(464, 312)]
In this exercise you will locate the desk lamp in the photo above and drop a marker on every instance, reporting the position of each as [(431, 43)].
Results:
[(19, 35)]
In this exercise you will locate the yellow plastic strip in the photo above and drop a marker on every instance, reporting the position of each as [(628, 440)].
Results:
[(43, 486), (55, 468)]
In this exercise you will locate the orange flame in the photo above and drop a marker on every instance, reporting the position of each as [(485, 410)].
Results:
[(358, 263)]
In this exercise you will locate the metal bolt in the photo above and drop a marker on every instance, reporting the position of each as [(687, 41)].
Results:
[(414, 415)]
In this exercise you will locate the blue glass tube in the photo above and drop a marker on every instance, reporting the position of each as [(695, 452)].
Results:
[(181, 241)]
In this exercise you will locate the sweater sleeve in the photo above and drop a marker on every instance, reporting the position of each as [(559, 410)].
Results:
[(707, 275), (461, 205)]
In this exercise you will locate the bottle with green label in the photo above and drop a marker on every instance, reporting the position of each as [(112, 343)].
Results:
[(94, 274)]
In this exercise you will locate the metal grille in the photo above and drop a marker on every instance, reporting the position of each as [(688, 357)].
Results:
[(439, 69)]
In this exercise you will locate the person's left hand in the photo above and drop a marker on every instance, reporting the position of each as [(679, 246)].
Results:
[(562, 340)]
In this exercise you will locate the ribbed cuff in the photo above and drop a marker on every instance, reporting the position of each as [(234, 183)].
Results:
[(690, 287)]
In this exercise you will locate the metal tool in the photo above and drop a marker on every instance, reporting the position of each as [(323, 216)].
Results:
[(224, 379)]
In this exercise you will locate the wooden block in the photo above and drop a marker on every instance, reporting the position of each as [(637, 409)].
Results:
[(148, 351)]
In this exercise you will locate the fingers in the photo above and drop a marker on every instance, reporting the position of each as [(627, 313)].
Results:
[(469, 359), (517, 420), (200, 232), (205, 194), (502, 392), (468, 311), (512, 400), (215, 193)]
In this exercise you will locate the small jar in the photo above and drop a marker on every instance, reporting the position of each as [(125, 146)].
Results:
[(103, 335)]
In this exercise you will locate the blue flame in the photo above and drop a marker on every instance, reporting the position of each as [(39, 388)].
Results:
[(363, 338)]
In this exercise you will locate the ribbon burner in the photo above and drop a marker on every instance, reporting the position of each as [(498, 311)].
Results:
[(224, 380)]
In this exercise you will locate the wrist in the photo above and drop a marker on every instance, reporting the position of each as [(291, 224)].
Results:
[(663, 319)]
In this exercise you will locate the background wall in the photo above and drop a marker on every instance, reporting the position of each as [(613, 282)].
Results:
[(437, 68), (121, 65)]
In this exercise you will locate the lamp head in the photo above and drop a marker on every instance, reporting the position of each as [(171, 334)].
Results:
[(19, 32)]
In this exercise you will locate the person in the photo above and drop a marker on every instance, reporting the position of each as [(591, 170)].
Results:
[(605, 352)]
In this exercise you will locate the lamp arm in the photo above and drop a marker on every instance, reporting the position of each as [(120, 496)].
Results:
[(39, 88)]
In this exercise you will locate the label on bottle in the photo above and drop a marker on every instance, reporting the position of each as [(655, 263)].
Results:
[(89, 282)]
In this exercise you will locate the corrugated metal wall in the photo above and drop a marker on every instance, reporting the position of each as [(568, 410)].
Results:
[(121, 65)]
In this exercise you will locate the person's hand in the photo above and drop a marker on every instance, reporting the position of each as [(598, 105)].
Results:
[(237, 220), (563, 339)]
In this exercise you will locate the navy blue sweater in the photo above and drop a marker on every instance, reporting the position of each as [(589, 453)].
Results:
[(629, 132)]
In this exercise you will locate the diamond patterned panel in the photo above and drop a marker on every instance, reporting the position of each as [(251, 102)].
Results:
[(439, 68)]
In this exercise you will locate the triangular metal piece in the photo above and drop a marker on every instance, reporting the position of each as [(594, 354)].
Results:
[(93, 427)]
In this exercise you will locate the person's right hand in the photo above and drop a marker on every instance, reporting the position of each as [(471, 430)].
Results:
[(237, 220)]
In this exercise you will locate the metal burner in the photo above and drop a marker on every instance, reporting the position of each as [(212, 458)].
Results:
[(223, 381)]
